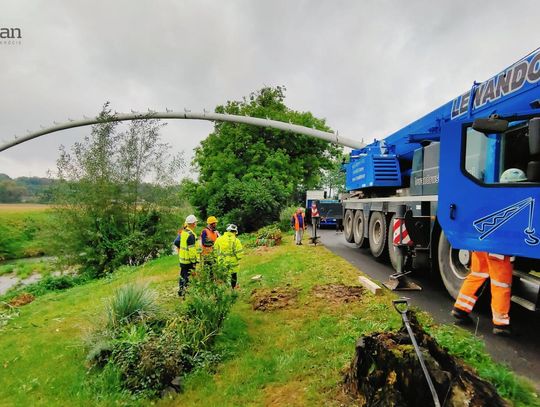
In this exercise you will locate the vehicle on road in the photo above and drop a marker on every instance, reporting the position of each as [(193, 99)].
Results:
[(443, 173), (331, 210)]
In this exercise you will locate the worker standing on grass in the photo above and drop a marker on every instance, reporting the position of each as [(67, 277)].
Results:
[(229, 251), (187, 253), (209, 236), (298, 222), (496, 267)]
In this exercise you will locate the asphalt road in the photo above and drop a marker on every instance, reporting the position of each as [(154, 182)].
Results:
[(521, 351)]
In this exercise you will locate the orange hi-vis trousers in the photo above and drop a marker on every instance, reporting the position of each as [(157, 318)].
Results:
[(499, 269)]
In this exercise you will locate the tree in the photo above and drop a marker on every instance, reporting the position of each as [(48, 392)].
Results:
[(101, 219), (11, 192), (247, 173), (333, 180)]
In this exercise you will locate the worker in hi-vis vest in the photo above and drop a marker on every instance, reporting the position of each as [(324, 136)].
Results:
[(298, 222), (209, 235), (315, 219), (229, 251), (188, 253), (498, 268)]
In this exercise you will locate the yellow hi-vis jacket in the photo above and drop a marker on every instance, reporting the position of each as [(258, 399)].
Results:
[(188, 251), (229, 250)]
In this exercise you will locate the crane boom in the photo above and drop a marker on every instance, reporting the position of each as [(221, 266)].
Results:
[(220, 117)]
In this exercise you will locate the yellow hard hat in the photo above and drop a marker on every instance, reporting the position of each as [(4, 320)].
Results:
[(211, 219)]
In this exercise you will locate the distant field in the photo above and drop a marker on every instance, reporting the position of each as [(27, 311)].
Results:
[(21, 230), (18, 208)]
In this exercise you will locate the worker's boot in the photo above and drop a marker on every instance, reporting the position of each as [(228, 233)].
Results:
[(461, 316), (502, 330)]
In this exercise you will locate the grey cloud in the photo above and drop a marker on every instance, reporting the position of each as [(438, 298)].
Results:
[(368, 67)]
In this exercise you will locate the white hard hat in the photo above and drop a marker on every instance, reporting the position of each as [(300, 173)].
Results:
[(513, 175), (232, 228), (191, 219)]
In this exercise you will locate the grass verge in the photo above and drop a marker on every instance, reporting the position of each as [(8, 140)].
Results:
[(292, 356)]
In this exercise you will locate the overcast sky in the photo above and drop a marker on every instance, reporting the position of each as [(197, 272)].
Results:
[(368, 67)]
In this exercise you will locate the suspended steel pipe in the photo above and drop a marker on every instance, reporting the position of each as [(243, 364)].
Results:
[(254, 121)]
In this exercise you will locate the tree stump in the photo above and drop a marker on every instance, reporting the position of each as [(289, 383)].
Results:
[(385, 371)]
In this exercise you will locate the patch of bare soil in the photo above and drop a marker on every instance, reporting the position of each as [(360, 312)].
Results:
[(338, 293), (385, 371), (23, 299), (261, 249), (265, 299)]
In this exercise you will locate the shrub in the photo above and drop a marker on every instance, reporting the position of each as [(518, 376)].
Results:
[(47, 284), (285, 218), (129, 303), (147, 348), (269, 236)]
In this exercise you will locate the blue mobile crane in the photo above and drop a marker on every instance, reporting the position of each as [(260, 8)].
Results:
[(443, 173)]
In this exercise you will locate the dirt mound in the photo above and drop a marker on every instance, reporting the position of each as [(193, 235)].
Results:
[(385, 371), (264, 299), (23, 299), (338, 293)]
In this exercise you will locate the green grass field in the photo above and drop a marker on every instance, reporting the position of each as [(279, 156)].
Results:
[(293, 356), (21, 230)]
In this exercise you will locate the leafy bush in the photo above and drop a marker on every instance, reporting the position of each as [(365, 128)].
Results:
[(47, 284), (131, 302), (269, 236), (107, 213), (285, 218), (149, 348)]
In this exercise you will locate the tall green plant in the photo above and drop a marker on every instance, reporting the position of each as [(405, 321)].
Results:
[(130, 303), (102, 219), (247, 174)]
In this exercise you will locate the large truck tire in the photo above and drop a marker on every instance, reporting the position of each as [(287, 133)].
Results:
[(348, 226), (358, 229), (392, 250), (378, 233), (453, 265)]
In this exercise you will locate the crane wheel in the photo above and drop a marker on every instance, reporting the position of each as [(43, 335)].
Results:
[(348, 226), (453, 265), (378, 235), (358, 229)]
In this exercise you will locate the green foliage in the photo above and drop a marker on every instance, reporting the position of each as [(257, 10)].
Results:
[(285, 217), (7, 313), (130, 302), (25, 189), (472, 350), (102, 219), (207, 303), (10, 191), (247, 174), (25, 268), (46, 285), (149, 347), (23, 233), (333, 179), (269, 235)]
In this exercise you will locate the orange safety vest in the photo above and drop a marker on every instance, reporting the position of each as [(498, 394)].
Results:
[(297, 222), (314, 212), (210, 235)]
